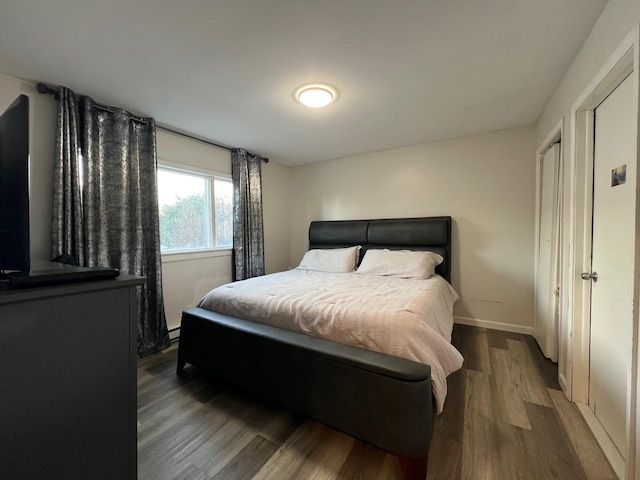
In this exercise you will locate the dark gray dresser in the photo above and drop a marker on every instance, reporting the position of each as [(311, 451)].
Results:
[(68, 381)]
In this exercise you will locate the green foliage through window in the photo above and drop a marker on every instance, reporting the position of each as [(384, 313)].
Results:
[(196, 211), (183, 224), (224, 212)]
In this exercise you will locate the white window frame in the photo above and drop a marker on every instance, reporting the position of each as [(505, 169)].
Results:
[(210, 176)]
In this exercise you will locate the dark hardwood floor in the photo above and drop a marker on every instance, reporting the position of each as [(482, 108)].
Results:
[(505, 418)]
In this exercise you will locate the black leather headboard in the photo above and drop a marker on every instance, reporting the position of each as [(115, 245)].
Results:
[(425, 233)]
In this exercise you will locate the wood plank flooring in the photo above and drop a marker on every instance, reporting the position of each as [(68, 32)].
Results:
[(505, 418)]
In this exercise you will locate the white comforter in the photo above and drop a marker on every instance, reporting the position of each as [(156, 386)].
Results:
[(406, 318)]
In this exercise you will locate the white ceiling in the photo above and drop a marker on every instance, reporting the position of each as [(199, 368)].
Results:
[(407, 71)]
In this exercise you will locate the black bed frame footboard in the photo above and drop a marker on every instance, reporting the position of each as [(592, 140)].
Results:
[(384, 400)]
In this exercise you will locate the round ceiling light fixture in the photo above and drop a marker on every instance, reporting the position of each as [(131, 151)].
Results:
[(316, 95)]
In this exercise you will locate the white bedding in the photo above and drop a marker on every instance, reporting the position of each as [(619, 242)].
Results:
[(403, 317)]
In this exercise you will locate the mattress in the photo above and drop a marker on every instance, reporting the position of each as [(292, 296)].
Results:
[(406, 318)]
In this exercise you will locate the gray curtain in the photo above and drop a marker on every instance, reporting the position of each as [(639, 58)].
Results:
[(248, 234), (67, 226), (105, 205)]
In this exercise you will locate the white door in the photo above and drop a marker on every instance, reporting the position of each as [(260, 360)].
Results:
[(546, 322), (614, 185)]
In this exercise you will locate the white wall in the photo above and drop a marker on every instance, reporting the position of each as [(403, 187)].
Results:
[(485, 182), (616, 21), (42, 120), (276, 200)]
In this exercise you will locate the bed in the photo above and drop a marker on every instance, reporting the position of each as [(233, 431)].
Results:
[(384, 399)]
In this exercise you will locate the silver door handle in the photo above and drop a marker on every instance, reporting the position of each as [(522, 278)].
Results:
[(590, 276)]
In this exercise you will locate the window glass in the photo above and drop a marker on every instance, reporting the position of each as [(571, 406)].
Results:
[(196, 210), (184, 202), (223, 189)]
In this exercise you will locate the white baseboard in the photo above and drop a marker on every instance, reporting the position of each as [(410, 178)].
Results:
[(610, 451), (506, 327)]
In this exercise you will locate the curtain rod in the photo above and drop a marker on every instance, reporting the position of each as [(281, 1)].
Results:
[(42, 88), (45, 89)]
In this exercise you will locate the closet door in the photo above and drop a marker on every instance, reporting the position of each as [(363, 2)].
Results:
[(546, 321)]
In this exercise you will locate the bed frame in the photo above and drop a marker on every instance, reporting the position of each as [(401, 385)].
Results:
[(381, 399)]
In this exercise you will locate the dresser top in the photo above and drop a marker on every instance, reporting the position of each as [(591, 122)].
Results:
[(14, 295)]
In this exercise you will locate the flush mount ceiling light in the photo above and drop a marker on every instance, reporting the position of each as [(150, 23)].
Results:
[(316, 95)]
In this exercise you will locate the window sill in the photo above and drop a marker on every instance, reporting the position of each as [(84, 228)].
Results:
[(187, 256)]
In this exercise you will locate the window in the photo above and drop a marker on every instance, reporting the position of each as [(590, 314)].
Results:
[(223, 194), (196, 210)]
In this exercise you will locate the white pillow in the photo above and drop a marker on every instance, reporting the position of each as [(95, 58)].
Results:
[(332, 260), (400, 263)]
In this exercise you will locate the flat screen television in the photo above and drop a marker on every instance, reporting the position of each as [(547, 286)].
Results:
[(14, 186)]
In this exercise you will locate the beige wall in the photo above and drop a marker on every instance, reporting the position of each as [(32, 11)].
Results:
[(42, 120), (485, 182)]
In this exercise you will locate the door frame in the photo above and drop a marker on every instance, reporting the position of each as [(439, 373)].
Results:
[(623, 62)]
